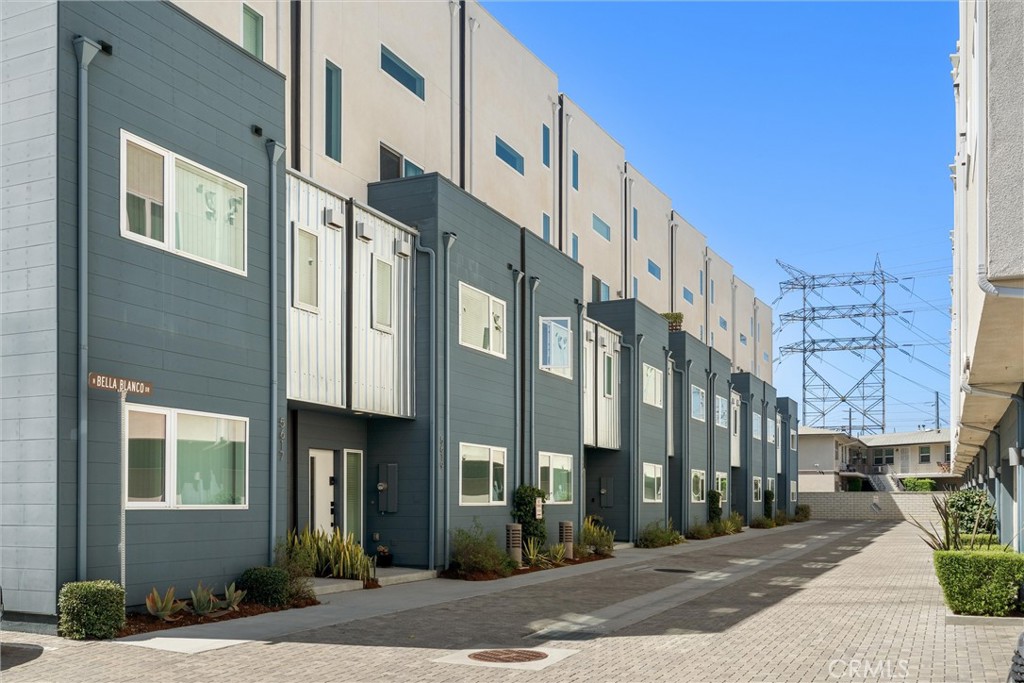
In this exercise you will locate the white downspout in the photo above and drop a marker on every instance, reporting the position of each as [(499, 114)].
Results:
[(470, 114), (453, 9), (312, 90)]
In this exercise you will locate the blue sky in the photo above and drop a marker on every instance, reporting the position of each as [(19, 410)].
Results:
[(816, 133)]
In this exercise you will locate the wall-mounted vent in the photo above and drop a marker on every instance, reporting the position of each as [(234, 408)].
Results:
[(590, 335), (363, 232), (335, 219), (403, 249)]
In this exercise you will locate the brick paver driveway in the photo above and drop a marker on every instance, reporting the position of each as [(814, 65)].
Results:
[(813, 602)]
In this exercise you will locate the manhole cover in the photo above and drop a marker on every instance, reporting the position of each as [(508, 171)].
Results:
[(508, 656), (670, 570)]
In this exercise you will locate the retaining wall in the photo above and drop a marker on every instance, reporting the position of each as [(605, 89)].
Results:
[(871, 505)]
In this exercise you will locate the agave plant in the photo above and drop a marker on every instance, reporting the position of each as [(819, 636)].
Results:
[(164, 606), (949, 537), (557, 554), (204, 602), (232, 597), (533, 554)]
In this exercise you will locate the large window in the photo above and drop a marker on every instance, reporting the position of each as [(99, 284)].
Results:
[(602, 228), (698, 483), (481, 321), (556, 346), (652, 483), (508, 154), (884, 456), (481, 475), (556, 477), (252, 31), (924, 454), (757, 426), (757, 489), (395, 67), (185, 459), (383, 293), (306, 270), (208, 209), (721, 412), (654, 386), (332, 112), (697, 402)]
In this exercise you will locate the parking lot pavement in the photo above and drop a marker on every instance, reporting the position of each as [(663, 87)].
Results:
[(812, 602)]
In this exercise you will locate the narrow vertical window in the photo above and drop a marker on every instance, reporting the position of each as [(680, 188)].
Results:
[(700, 287), (545, 145), (306, 269), (609, 376), (252, 31), (390, 164), (332, 112), (636, 224), (545, 223), (575, 247), (556, 346), (575, 170), (636, 288), (382, 295), (712, 291), (144, 195)]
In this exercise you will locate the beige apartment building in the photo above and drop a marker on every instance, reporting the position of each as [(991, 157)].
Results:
[(381, 90), (987, 336)]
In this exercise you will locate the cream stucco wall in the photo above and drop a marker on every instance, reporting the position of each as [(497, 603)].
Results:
[(764, 341), (653, 213), (719, 303), (690, 247), (744, 324)]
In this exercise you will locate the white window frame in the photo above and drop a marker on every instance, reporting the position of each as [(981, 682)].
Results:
[(491, 451), (769, 484), (170, 222), (758, 497), (296, 232), (699, 496), (792, 492), (607, 373), (721, 478), (792, 440), (374, 283), (770, 429), (490, 319), (565, 372), (756, 425), (721, 411), (541, 456), (702, 403), (655, 472), (654, 386), (171, 458)]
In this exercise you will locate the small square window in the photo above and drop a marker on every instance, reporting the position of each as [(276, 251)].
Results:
[(481, 321), (395, 67), (556, 477), (924, 454), (556, 346), (652, 483), (481, 475), (653, 386)]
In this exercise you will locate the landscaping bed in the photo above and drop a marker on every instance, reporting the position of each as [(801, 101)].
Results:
[(492, 575), (137, 622)]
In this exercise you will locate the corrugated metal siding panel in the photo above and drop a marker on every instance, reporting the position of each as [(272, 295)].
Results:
[(608, 427), (316, 340), (381, 360), (590, 383)]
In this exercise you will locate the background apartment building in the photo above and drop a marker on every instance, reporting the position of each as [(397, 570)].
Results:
[(987, 344)]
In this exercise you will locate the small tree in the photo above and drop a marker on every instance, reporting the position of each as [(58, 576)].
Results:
[(524, 512), (714, 506)]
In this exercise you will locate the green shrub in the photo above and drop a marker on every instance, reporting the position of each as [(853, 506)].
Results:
[(656, 535), (736, 522), (762, 523), (90, 609), (714, 506), (524, 512), (769, 503), (971, 507), (595, 538), (265, 585), (982, 583), (299, 561), (914, 484), (781, 518), (476, 551), (855, 485), (803, 513), (700, 532), (318, 553)]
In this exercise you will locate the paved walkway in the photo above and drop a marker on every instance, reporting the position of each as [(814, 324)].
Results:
[(811, 602)]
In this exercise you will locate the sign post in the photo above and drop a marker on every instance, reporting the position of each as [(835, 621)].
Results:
[(123, 386)]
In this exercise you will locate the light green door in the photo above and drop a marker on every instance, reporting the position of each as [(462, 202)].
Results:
[(353, 494)]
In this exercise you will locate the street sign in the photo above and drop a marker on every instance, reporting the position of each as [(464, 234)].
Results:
[(122, 385)]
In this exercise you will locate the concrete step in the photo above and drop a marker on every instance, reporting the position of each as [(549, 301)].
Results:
[(392, 576), (323, 586)]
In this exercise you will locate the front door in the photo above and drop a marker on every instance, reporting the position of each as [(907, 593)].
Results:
[(904, 463), (321, 489), (352, 495)]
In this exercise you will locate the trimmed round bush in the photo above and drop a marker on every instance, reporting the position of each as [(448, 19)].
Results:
[(266, 585), (803, 513), (762, 523), (90, 609), (983, 583)]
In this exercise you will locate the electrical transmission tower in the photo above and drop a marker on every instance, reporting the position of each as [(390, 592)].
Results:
[(861, 406)]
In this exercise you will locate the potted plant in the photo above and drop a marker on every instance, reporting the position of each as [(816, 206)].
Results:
[(384, 557)]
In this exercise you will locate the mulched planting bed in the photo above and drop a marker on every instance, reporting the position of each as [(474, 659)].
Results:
[(136, 622), (491, 576)]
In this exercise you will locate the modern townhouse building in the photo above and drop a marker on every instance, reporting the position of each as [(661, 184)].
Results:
[(789, 456), (141, 183), (459, 291), (987, 339)]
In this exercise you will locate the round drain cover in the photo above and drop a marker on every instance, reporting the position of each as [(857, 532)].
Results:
[(674, 571), (508, 656)]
